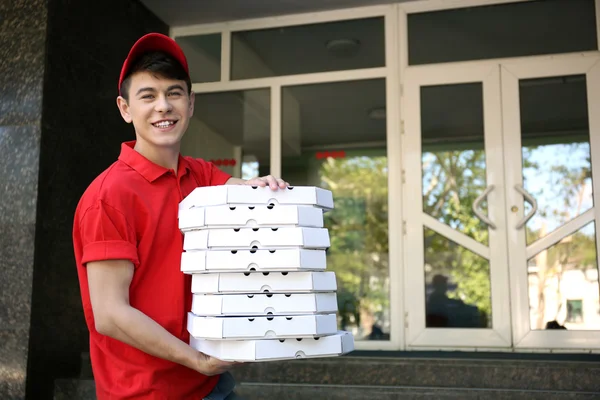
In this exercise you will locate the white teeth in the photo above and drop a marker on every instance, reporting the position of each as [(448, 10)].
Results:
[(164, 124)]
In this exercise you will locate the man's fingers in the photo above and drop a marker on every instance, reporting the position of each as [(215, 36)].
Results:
[(268, 180), (258, 182), (271, 181)]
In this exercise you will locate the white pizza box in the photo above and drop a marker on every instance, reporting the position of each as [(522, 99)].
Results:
[(259, 238), (276, 349), (280, 260), (264, 282), (263, 304), (255, 195), (236, 328), (249, 216)]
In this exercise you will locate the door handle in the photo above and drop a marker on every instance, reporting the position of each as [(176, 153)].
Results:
[(476, 203), (534, 206)]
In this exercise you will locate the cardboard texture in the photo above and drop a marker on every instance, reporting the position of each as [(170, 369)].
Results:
[(264, 282), (276, 349), (249, 216), (259, 238), (254, 195), (236, 328), (264, 304), (280, 260)]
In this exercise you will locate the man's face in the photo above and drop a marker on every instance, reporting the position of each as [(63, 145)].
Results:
[(159, 108)]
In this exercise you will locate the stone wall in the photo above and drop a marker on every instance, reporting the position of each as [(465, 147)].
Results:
[(22, 58)]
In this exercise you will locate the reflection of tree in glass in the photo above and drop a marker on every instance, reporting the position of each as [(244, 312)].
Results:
[(469, 271), (575, 252), (558, 176), (358, 228), (452, 180)]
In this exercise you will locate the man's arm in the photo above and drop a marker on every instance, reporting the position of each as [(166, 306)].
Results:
[(269, 180), (114, 317)]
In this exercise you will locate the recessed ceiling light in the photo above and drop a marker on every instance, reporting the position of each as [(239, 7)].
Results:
[(343, 47)]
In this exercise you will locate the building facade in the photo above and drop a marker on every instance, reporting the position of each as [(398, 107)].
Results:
[(459, 141)]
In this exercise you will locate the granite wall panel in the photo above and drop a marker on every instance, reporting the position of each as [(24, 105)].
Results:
[(22, 58), (13, 353), (22, 67)]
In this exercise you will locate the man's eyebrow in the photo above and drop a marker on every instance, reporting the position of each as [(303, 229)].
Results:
[(145, 89), (173, 87)]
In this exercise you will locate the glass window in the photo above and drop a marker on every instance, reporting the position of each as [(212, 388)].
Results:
[(457, 285), (453, 161), (203, 53), (334, 139), (503, 30), (233, 129), (332, 46), (563, 279), (554, 122), (574, 311), (453, 156)]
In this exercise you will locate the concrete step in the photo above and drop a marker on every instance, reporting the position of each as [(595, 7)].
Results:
[(74, 389), (250, 391), (530, 375), (84, 389)]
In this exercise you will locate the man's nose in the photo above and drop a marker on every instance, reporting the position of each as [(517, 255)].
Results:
[(163, 104)]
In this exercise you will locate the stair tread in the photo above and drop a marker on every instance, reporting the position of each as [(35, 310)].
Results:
[(84, 389), (251, 391), (498, 374)]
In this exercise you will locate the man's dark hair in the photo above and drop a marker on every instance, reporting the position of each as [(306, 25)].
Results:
[(157, 63)]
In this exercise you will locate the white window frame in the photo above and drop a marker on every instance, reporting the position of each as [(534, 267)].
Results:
[(523, 336), (418, 335), (404, 9), (275, 84)]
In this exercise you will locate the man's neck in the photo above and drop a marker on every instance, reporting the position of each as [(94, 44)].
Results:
[(167, 157)]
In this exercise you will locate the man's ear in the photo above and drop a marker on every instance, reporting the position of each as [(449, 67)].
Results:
[(124, 109), (192, 99)]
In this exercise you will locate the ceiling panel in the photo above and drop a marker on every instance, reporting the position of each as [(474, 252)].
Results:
[(190, 12)]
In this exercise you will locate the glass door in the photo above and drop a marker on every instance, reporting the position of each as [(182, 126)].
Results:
[(551, 119), (456, 258)]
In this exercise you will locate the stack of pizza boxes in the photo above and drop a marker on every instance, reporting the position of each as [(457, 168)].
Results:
[(260, 287)]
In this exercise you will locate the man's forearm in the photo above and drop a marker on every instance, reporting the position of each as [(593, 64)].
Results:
[(135, 328)]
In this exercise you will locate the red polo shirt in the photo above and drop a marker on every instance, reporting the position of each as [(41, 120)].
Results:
[(130, 212)]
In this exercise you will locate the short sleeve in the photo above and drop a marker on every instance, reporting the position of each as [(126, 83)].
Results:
[(107, 235), (212, 174)]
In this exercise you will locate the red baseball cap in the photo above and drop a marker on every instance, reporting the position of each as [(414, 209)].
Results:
[(153, 42)]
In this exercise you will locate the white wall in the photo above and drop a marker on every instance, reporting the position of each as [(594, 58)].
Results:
[(200, 141)]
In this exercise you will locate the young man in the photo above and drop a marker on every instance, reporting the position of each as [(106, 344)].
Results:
[(128, 246)]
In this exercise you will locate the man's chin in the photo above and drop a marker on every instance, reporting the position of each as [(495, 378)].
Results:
[(164, 141)]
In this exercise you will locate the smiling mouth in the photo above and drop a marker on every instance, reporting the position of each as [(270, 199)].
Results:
[(164, 124)]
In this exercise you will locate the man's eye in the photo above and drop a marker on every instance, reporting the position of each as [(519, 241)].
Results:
[(148, 96), (175, 94)]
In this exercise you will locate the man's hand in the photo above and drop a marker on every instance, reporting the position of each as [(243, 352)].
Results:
[(210, 366), (269, 180)]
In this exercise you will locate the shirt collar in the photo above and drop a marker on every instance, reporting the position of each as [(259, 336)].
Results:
[(149, 170)]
